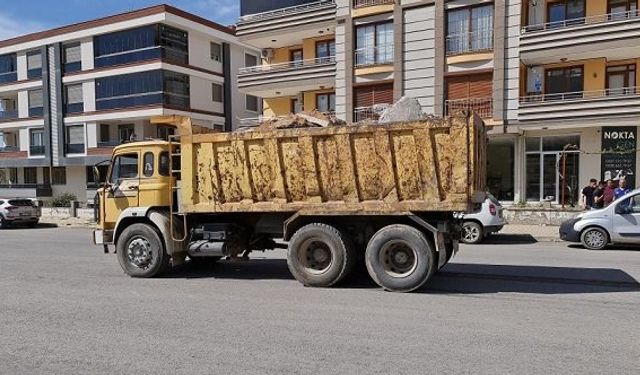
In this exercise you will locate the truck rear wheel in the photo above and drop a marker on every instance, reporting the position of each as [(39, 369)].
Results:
[(320, 255), (140, 251), (399, 258)]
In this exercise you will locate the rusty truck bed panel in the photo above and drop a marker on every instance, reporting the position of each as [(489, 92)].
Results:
[(430, 165)]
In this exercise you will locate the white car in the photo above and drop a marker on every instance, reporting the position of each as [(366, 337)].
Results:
[(480, 224), (19, 211), (618, 223)]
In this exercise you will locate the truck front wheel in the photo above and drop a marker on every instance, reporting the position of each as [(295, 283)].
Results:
[(140, 251), (399, 258), (320, 255)]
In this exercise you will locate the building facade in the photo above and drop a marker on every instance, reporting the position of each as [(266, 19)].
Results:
[(554, 80), (69, 95)]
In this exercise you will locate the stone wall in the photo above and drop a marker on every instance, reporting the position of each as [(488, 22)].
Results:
[(536, 216)]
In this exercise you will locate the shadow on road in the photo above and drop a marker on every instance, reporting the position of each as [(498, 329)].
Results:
[(455, 278), (26, 227), (509, 239), (608, 248)]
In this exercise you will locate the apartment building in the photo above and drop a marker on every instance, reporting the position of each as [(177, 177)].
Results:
[(554, 80), (70, 94)]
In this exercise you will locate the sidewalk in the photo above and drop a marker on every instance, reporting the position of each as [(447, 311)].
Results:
[(541, 233)]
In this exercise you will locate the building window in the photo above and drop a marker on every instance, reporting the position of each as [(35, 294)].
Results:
[(71, 58), (216, 92), (472, 92), (30, 175), (545, 160), (250, 60), (165, 131), (216, 51), (141, 44), (74, 137), (621, 79), (8, 108), (105, 135), (36, 142), (563, 83), (565, 12), (374, 44), (73, 100), (296, 105), (8, 176), (92, 183), (36, 103), (500, 168), (366, 98), (142, 89), (34, 64), (126, 133), (251, 103), (296, 57), (58, 176), (470, 29), (325, 50), (622, 9), (326, 103), (8, 68)]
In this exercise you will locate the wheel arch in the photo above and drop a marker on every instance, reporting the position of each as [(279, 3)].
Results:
[(158, 219)]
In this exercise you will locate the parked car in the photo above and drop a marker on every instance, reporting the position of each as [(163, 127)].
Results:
[(19, 211), (618, 223), (480, 224)]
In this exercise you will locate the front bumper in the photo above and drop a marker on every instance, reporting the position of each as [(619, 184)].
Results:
[(567, 231)]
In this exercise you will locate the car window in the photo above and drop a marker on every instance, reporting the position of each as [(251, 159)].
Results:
[(124, 167), (148, 164), (629, 205), (21, 202), (163, 167)]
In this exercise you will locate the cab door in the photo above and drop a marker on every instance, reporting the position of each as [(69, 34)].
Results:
[(124, 185), (626, 221)]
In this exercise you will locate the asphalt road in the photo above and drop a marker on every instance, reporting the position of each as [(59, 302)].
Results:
[(66, 308)]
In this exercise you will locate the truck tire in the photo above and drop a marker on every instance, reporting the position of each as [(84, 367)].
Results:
[(399, 258), (472, 233), (320, 255), (140, 251)]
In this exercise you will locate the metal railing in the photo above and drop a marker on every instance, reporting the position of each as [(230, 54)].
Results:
[(378, 55), (481, 40), (285, 11), (9, 149), (369, 113), (580, 95), (600, 18), (329, 60), (8, 115), (482, 106), (368, 3)]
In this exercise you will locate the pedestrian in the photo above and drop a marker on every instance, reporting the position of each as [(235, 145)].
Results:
[(598, 196), (609, 193), (622, 189), (587, 194)]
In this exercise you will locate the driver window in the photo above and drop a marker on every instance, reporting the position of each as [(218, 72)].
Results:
[(124, 167)]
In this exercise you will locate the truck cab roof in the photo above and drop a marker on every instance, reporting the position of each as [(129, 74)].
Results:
[(139, 144)]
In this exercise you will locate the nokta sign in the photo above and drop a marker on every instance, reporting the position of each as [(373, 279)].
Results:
[(619, 153)]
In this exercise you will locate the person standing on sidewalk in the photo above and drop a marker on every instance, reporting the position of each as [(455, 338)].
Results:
[(587, 194), (598, 196), (622, 189), (609, 193)]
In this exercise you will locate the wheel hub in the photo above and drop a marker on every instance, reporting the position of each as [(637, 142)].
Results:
[(139, 253), (471, 233), (594, 239), (315, 256), (398, 259)]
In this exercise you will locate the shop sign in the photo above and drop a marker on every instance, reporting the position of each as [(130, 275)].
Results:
[(619, 153)]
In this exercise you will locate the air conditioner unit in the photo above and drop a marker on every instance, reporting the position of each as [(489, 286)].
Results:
[(267, 53)]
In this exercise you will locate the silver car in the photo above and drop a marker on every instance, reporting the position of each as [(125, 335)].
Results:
[(480, 224), (618, 223), (19, 211)]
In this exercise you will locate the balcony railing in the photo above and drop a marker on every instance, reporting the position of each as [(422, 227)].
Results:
[(288, 65), (285, 11), (8, 115), (378, 55), (581, 95), (9, 149), (36, 150), (476, 41), (600, 18), (482, 106), (369, 113), (368, 3)]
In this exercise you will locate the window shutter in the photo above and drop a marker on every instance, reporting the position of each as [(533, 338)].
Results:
[(74, 94), (72, 53), (75, 135), (35, 99), (369, 95), (34, 61)]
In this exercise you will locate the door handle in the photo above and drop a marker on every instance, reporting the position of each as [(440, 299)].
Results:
[(133, 187)]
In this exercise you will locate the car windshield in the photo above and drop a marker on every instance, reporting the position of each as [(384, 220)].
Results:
[(21, 202)]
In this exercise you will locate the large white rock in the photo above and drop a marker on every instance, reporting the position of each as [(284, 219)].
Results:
[(405, 109)]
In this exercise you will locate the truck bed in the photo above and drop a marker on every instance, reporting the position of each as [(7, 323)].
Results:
[(427, 165)]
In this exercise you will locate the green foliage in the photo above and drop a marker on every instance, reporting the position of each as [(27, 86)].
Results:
[(62, 200)]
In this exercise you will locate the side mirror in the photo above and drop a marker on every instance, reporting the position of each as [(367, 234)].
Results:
[(96, 174)]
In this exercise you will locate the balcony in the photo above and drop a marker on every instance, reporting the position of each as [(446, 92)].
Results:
[(605, 104), (472, 42), (279, 27), (369, 3), (482, 106), (372, 56), (8, 115), (612, 35), (25, 191), (36, 150), (371, 114), (287, 78), (12, 152)]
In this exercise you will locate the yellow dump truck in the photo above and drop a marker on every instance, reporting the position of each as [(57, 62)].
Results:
[(387, 195)]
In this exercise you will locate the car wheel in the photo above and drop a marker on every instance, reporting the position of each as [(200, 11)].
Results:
[(472, 232), (594, 238)]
